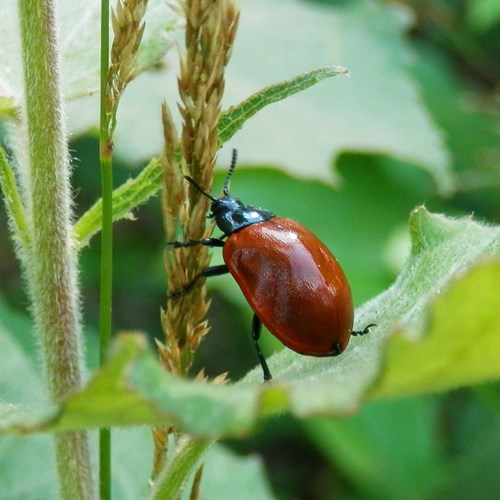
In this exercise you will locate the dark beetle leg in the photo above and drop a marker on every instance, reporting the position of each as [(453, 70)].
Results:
[(208, 242), (256, 329), (365, 330), (207, 273)]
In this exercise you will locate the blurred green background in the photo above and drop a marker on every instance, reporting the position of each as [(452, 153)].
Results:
[(416, 123)]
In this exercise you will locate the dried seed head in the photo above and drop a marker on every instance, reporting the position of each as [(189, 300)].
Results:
[(210, 31), (128, 31)]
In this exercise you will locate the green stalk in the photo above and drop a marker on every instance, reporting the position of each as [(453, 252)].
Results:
[(13, 203), (175, 474), (105, 158), (51, 260)]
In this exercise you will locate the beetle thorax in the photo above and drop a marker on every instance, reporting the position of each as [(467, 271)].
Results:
[(231, 214)]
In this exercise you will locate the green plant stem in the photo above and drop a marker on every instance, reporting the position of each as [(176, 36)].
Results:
[(106, 293), (105, 315), (51, 262), (13, 202), (176, 472)]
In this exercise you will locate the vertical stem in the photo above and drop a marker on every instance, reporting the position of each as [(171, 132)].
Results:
[(52, 263), (105, 158), (174, 475)]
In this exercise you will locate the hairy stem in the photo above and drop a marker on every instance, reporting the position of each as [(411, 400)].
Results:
[(51, 260)]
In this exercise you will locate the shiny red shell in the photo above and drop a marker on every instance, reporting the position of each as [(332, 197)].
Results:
[(294, 285)]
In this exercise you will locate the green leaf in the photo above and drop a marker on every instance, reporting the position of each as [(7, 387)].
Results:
[(132, 388), (483, 14), (233, 118), (463, 314), (23, 459), (125, 198), (471, 135), (21, 385), (440, 279), (462, 341), (377, 110), (79, 43)]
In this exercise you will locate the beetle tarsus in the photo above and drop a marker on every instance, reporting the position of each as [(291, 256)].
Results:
[(365, 330)]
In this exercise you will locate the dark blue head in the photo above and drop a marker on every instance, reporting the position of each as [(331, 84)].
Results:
[(230, 213)]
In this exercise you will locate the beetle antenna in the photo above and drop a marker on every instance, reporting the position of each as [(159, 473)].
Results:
[(197, 186), (234, 159)]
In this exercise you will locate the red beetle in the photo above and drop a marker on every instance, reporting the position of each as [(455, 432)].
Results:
[(293, 283)]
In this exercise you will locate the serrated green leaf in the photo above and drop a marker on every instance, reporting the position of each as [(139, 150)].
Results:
[(24, 456), (131, 388), (233, 118), (125, 198)]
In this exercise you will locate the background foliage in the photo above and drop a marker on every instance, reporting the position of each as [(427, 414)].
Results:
[(416, 123)]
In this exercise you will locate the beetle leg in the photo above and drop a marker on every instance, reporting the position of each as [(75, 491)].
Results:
[(208, 242), (365, 330), (206, 273), (256, 329)]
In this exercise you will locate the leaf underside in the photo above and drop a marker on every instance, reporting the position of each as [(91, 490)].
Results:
[(436, 330)]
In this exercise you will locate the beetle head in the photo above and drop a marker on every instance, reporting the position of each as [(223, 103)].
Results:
[(229, 212)]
